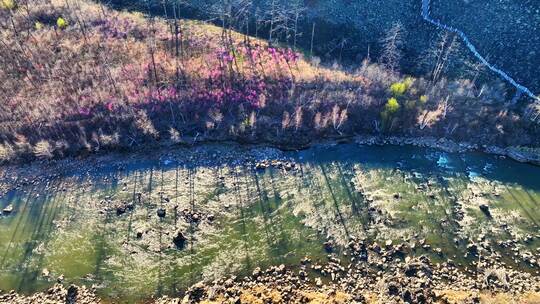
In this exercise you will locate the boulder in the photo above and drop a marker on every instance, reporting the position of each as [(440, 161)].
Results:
[(45, 273), (179, 240), (121, 210), (485, 209), (9, 209), (72, 292)]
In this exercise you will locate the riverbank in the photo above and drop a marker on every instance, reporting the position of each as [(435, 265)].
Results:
[(35, 168), (368, 274), (373, 273)]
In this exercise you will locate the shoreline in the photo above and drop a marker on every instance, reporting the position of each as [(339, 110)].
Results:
[(366, 273), (11, 173), (528, 155)]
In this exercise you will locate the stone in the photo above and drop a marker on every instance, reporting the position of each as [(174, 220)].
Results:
[(485, 209), (9, 209), (121, 210), (72, 292), (256, 272), (197, 292), (179, 240)]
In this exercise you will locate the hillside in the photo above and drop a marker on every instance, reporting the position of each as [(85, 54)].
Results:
[(81, 77), (349, 30)]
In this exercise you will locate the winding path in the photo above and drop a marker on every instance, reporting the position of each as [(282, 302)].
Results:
[(426, 8)]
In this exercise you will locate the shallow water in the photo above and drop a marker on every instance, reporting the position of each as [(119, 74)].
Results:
[(262, 217)]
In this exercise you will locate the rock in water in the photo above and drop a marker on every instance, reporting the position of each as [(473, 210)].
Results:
[(9, 209), (71, 296), (485, 209), (45, 273), (328, 246), (120, 210), (179, 240)]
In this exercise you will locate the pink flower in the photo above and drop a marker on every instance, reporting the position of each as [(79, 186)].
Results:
[(84, 111)]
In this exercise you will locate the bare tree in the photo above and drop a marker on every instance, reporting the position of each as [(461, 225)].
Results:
[(441, 55), (298, 9), (282, 19), (474, 70), (392, 44), (312, 39)]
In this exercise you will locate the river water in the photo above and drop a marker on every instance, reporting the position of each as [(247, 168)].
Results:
[(234, 217)]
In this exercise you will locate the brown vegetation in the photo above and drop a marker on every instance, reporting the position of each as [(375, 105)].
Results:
[(77, 76)]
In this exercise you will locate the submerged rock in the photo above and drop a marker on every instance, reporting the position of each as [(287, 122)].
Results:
[(120, 210), (328, 246), (485, 209), (45, 273), (8, 210), (179, 240), (123, 208), (72, 292)]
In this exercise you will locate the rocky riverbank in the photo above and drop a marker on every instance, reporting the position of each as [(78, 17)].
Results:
[(56, 294), (373, 273), (366, 273)]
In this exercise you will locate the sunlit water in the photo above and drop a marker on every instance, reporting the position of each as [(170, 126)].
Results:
[(262, 217)]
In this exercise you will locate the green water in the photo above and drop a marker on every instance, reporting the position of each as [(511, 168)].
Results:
[(261, 218)]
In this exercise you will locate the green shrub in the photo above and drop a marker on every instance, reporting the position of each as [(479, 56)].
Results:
[(392, 106), (399, 88), (38, 25), (61, 23), (423, 99), (7, 4), (388, 114)]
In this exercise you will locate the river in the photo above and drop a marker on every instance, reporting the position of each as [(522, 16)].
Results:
[(98, 224)]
